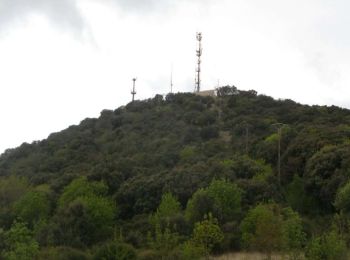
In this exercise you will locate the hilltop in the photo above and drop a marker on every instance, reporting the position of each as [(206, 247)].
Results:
[(178, 145)]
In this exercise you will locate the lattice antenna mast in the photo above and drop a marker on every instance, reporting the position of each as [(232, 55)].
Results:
[(199, 61), (133, 92)]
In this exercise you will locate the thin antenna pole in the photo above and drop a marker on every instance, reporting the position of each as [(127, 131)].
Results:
[(133, 92), (198, 70), (171, 79)]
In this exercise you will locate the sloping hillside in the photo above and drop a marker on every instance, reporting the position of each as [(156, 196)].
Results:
[(179, 144)]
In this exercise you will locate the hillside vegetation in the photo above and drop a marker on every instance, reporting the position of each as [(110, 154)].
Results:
[(183, 177)]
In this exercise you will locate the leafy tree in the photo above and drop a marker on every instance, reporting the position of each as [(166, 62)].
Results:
[(226, 91), (63, 253), (86, 220), (262, 229), (192, 251), (20, 244), (199, 205), (188, 154), (11, 190), (33, 207), (221, 198), (165, 237), (115, 251), (293, 235), (168, 207), (164, 240), (81, 187), (325, 172), (227, 199), (341, 225), (296, 195), (207, 234), (327, 247), (342, 199)]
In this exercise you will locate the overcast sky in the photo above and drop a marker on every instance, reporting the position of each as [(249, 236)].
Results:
[(64, 60)]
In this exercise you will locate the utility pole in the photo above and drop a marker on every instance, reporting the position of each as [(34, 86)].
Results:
[(198, 69), (246, 138), (279, 134), (246, 141), (133, 92)]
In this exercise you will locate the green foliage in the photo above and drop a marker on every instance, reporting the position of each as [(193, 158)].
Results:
[(326, 171), (244, 167), (330, 246), (85, 214), (341, 225), (342, 199), (269, 228), (33, 207), (296, 195), (63, 253), (11, 190), (199, 205), (262, 229), (131, 156), (221, 198), (115, 251), (227, 199), (168, 207), (188, 154), (191, 250), (20, 244), (207, 234), (81, 187), (293, 235), (86, 220), (163, 240)]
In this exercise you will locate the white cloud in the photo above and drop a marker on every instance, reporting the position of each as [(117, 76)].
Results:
[(64, 60)]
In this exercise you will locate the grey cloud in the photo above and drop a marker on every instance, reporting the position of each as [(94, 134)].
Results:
[(62, 13), (144, 6), (153, 6)]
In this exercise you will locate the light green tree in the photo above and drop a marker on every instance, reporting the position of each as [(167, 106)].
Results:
[(168, 207), (329, 246), (20, 244), (294, 237), (199, 205), (227, 199), (342, 199), (222, 199), (262, 229), (164, 238), (33, 207), (81, 187), (207, 234)]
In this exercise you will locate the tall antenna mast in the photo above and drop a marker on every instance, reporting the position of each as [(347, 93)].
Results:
[(198, 70), (171, 79), (133, 92)]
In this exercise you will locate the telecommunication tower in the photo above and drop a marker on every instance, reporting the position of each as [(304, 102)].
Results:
[(198, 69), (133, 92)]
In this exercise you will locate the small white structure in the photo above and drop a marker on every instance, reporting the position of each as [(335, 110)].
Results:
[(204, 93)]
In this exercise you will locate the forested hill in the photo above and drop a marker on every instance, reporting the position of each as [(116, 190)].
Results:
[(177, 145)]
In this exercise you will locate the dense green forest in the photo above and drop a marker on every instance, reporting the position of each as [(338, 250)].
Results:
[(183, 177)]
